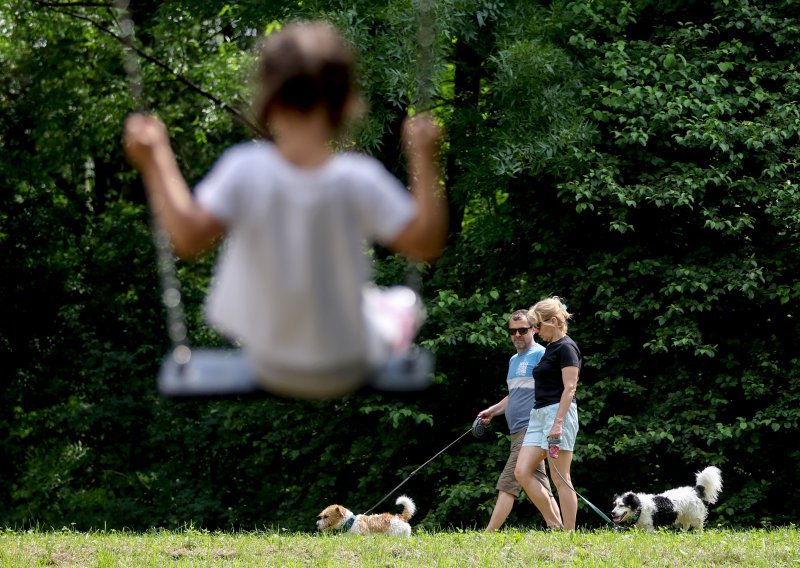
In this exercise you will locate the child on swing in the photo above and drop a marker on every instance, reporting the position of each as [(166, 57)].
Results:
[(293, 283)]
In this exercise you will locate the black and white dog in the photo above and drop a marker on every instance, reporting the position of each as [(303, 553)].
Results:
[(682, 506)]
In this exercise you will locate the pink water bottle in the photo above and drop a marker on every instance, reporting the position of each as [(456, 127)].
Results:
[(553, 444)]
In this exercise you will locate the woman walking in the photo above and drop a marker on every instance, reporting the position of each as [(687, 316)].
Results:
[(555, 414)]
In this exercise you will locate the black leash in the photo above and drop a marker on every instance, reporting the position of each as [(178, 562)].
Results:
[(478, 430), (413, 473)]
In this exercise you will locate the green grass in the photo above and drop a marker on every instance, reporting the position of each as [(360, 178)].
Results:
[(767, 548)]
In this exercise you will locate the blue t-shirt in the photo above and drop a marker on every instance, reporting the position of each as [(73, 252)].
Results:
[(521, 393)]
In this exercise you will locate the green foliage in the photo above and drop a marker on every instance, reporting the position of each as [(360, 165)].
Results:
[(637, 158), (698, 131)]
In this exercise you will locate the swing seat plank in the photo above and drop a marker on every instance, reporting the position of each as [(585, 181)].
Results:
[(209, 372), (408, 373), (227, 372)]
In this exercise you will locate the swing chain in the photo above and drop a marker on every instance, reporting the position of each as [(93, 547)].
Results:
[(422, 97), (165, 264), (425, 46), (130, 59), (171, 295)]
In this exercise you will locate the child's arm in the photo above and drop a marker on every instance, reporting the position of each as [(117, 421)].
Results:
[(191, 228), (425, 236)]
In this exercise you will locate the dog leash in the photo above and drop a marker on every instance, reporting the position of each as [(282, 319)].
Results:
[(413, 473), (478, 430), (585, 500)]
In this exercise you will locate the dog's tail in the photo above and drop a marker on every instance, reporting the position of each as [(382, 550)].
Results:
[(709, 484), (408, 507)]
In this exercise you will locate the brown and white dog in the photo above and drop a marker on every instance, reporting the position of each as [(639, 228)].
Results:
[(336, 517)]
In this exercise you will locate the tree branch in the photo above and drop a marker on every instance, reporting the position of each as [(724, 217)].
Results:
[(241, 117), (74, 4)]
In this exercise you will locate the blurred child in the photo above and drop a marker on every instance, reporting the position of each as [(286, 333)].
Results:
[(293, 282)]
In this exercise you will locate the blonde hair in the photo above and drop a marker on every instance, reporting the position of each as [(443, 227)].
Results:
[(547, 309)]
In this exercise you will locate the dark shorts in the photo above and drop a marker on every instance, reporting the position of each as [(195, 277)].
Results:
[(507, 482)]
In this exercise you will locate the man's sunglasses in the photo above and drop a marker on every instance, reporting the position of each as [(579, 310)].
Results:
[(518, 331)]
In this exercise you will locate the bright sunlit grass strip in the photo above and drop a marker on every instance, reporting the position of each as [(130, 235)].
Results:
[(767, 548)]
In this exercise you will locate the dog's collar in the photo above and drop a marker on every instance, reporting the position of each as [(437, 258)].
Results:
[(349, 523), (636, 516)]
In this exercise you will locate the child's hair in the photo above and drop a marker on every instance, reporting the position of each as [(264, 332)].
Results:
[(550, 308), (303, 65)]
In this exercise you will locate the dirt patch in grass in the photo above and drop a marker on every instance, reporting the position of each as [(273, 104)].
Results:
[(214, 554), (64, 557)]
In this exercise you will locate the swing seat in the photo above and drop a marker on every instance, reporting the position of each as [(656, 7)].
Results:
[(209, 372), (227, 372), (408, 373)]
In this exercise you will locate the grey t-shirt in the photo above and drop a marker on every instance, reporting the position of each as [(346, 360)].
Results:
[(288, 283)]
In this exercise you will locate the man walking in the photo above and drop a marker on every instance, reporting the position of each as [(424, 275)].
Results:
[(517, 407)]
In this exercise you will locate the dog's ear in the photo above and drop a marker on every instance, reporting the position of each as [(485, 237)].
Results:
[(631, 500), (340, 510)]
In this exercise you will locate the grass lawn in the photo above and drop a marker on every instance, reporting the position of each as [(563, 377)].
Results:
[(767, 548)]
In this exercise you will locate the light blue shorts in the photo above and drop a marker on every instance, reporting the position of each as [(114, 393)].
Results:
[(542, 421)]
